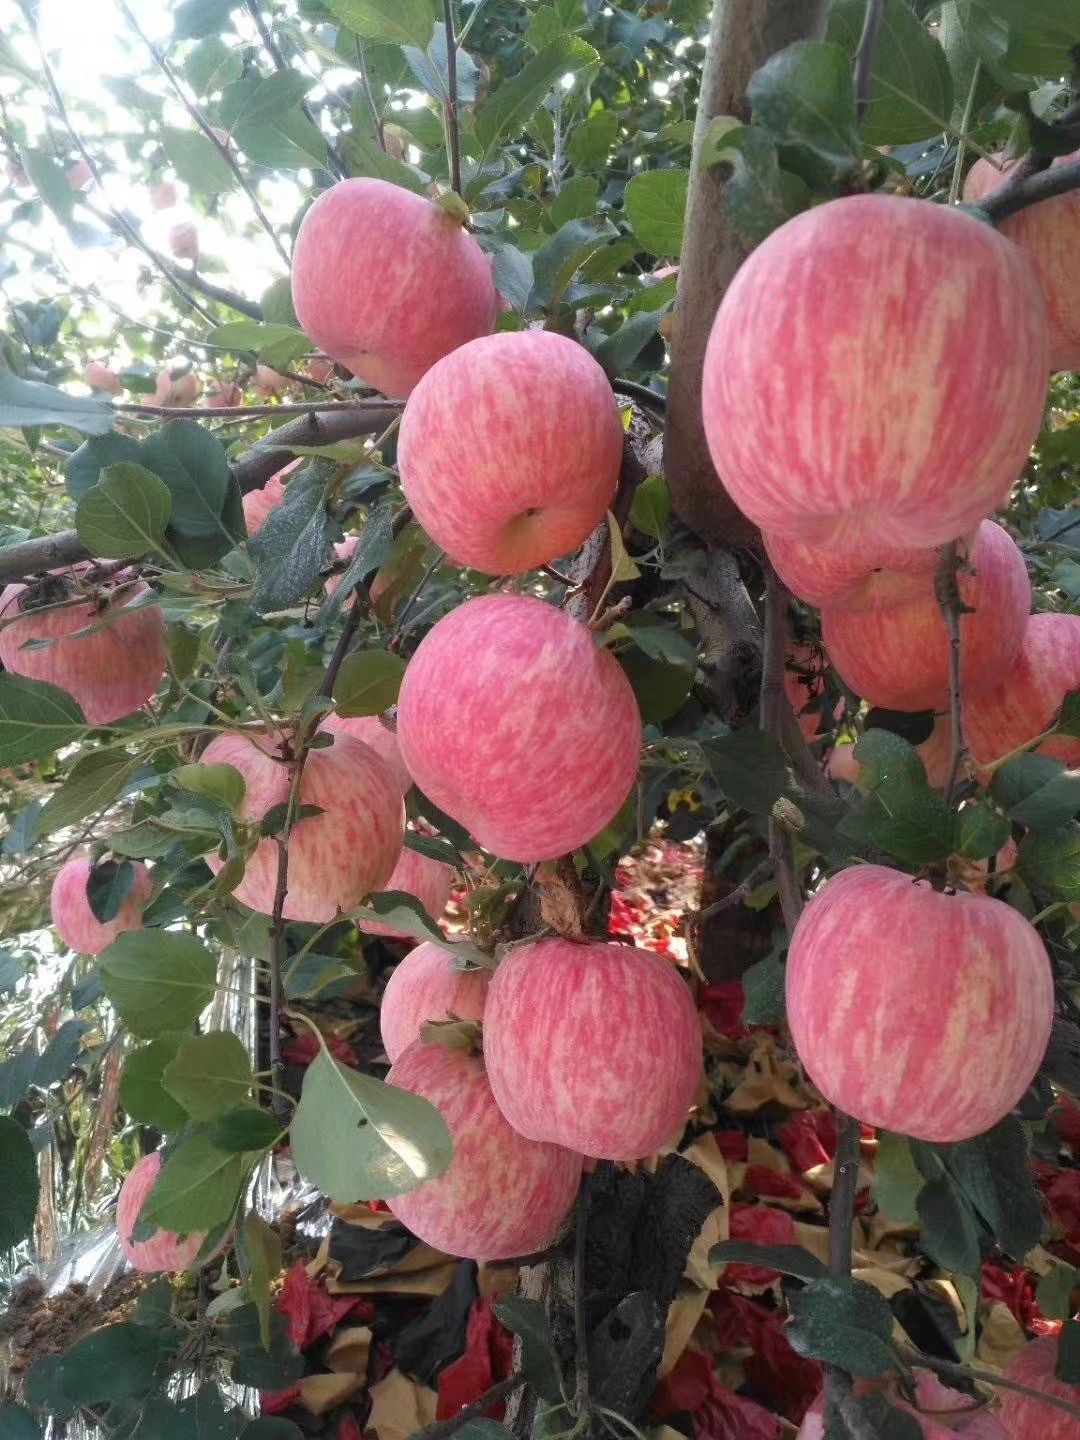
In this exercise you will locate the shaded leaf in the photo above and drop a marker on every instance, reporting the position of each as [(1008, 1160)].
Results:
[(142, 1092), (35, 719), (26, 403), (655, 204), (158, 980), (210, 1075), (515, 101), (19, 1193)]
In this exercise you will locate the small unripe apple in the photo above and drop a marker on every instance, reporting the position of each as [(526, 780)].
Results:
[(163, 196), (100, 377), (537, 400), (917, 1011), (1046, 233), (109, 671), (593, 1046), (258, 504), (164, 1250), (269, 382), (80, 176), (320, 370), (1029, 696), (1024, 1417), (846, 405), (503, 1195), (386, 282), (74, 920), (176, 389), (867, 578), (498, 718), (383, 740), (430, 880), (899, 658), (223, 396), (184, 241), (428, 985), (336, 858), (344, 550)]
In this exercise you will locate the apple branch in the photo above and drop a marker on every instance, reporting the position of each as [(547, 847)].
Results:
[(953, 1370), (864, 55), (1024, 190), (947, 588), (221, 146), (450, 108), (273, 49), (369, 93), (741, 39)]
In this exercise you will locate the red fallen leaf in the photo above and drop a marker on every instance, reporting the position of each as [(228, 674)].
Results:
[(1014, 1287), (809, 1138), (1063, 1197), (1066, 1118), (788, 1381), (349, 1430), (723, 1006), (765, 1182), (732, 1144), (276, 1402), (305, 1048), (488, 1358), (718, 1413), (761, 1225), (311, 1311)]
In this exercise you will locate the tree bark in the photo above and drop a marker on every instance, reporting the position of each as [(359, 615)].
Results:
[(742, 36)]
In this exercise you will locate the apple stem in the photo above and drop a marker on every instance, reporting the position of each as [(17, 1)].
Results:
[(947, 588), (450, 107)]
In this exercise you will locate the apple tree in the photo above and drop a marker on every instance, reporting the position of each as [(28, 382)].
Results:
[(445, 445)]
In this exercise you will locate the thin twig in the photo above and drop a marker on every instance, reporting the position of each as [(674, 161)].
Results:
[(581, 1334), (1018, 193), (953, 1370), (646, 397), (844, 1189), (92, 165), (773, 702), (221, 146), (252, 412), (864, 55), (273, 49), (741, 893), (365, 85), (947, 588), (489, 1398), (961, 144), (1053, 536), (450, 108)]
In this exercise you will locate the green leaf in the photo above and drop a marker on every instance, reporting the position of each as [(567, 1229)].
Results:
[(750, 769), (788, 1259), (125, 514), (365, 156), (1069, 719), (950, 1231), (763, 990), (619, 351), (16, 1423), (994, 1172), (197, 161), (655, 204), (19, 1194), (901, 814), (207, 513), (577, 200), (26, 403), (404, 22), (371, 553), (1037, 791), (1050, 863), (661, 689), (195, 18), (11, 972), (16, 1075), (276, 304), (59, 1058), (247, 1128), (84, 468), (405, 913), (1054, 1290), (50, 181), (197, 1190), (203, 1416), (911, 90), (286, 342), (590, 144), (35, 719), (221, 783), (210, 1075), (981, 831), (265, 1367), (804, 96), (842, 1322), (359, 1139), (142, 1093), (539, 1361), (1068, 1356), (114, 1364), (368, 682), (158, 980), (212, 65), (93, 783), (512, 273), (271, 1427), (513, 102), (294, 544), (1042, 33), (897, 1181), (556, 262), (260, 1250), (651, 507)]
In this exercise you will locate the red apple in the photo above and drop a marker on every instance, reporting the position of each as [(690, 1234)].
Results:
[(74, 920), (916, 1011), (498, 721), (371, 730), (80, 176), (1023, 1416), (1046, 233), (966, 1417), (876, 375), (531, 398), (899, 658), (593, 1046), (344, 550), (431, 881), (164, 1251), (1029, 697), (337, 858), (110, 670), (100, 377), (867, 578), (387, 282), (502, 1195), (428, 985), (184, 241), (258, 504), (935, 753)]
